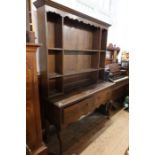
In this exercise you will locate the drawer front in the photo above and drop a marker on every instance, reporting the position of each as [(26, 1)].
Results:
[(75, 111), (118, 92), (121, 84), (102, 97)]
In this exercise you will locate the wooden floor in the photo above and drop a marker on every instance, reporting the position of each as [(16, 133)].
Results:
[(94, 135), (113, 141)]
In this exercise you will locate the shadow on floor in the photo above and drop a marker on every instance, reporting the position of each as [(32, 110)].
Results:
[(79, 135)]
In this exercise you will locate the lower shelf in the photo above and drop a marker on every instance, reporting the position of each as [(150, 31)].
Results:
[(77, 85), (80, 81), (54, 75), (55, 93)]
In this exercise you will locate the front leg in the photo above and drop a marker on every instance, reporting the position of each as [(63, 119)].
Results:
[(58, 132), (108, 109)]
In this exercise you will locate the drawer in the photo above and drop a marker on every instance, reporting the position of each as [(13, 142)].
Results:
[(118, 92), (75, 111), (121, 83), (102, 97)]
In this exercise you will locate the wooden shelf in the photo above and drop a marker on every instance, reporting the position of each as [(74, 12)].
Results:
[(82, 50), (80, 72), (55, 49), (73, 52), (103, 51), (108, 59), (78, 50), (55, 93), (77, 85), (101, 81), (54, 75)]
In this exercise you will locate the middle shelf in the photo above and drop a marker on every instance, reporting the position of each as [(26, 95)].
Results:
[(70, 62), (69, 73)]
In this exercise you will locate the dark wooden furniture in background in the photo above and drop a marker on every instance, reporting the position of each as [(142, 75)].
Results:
[(72, 62), (111, 54), (116, 71), (35, 145)]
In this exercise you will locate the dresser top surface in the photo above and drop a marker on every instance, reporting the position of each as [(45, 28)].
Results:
[(83, 94)]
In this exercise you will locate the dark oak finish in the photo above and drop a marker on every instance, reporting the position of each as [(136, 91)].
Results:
[(34, 141), (73, 48), (72, 62), (88, 19), (72, 107), (74, 112), (116, 70), (121, 88), (111, 54)]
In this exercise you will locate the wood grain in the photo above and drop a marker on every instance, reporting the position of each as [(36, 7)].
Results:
[(33, 118), (69, 46)]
